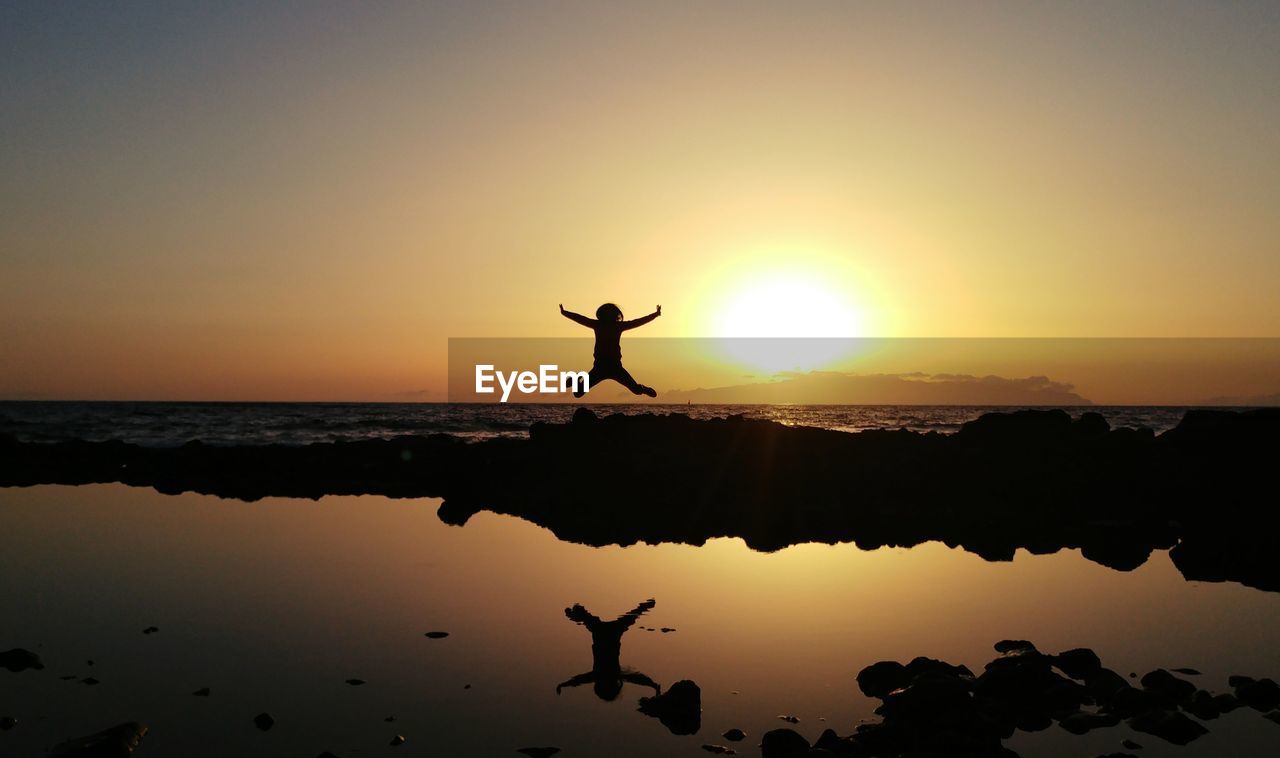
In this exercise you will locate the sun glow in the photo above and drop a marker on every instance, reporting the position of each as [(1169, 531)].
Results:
[(787, 322)]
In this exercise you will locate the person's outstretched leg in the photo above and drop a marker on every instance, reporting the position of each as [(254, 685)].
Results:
[(624, 378), (594, 377)]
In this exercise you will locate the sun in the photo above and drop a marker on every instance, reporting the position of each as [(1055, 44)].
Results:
[(786, 321), (787, 306)]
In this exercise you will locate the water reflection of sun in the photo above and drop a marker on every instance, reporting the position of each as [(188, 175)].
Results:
[(786, 321)]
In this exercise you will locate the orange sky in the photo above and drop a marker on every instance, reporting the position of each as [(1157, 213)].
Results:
[(247, 202)]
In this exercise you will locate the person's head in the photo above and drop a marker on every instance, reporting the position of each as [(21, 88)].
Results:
[(608, 687), (608, 313)]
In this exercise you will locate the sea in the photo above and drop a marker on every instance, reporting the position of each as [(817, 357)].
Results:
[(168, 424)]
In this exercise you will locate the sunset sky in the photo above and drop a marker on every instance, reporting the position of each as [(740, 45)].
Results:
[(249, 200)]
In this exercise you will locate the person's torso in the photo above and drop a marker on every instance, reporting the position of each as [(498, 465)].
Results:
[(606, 647), (608, 343)]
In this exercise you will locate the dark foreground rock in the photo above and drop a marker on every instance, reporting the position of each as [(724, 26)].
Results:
[(19, 659), (117, 742), (1032, 479), (1259, 694), (931, 707), (679, 708), (783, 743)]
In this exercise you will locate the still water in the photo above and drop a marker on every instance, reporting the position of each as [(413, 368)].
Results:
[(273, 605)]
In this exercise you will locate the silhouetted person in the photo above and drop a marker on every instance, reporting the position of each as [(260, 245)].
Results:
[(607, 673), (609, 326)]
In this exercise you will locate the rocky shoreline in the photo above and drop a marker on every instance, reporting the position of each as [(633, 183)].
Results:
[(1038, 480), (930, 707)]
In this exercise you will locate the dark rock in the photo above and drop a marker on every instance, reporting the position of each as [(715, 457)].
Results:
[(397, 740), (539, 752), (1104, 684), (436, 635), (831, 743), (1226, 702), (1033, 429), (7, 723), (1171, 726), (117, 742), (679, 708), (930, 697), (1024, 679), (202, 692), (1273, 716), (1130, 745), (1203, 706), (734, 735), (355, 682), (922, 665), (1131, 702), (264, 721), (389, 719), (151, 630), (19, 659), (1259, 694), (879, 679), (783, 743), (1080, 663), (1090, 424), (789, 718), (1082, 722), (1014, 646), (719, 749), (1186, 671), (1168, 688), (89, 681)]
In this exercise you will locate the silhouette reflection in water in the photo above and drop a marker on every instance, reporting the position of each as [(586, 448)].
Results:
[(607, 674)]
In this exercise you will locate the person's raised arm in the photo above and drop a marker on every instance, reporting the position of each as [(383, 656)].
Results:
[(578, 317), (582, 616), (642, 320), (639, 610)]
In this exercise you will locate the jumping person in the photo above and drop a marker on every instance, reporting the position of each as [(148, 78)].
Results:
[(609, 326), (607, 673)]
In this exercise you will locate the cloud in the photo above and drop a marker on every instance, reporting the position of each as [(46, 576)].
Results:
[(837, 388), (1265, 401), (413, 394)]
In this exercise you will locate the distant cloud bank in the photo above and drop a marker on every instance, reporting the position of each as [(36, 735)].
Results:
[(1265, 401), (829, 387)]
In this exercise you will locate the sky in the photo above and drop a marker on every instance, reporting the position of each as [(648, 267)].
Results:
[(305, 201)]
